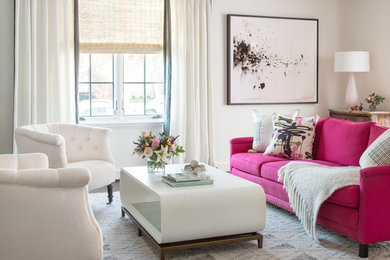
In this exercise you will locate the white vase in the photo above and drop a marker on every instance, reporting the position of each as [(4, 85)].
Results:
[(351, 94)]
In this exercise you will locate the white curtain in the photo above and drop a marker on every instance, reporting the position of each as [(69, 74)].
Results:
[(191, 86), (44, 62)]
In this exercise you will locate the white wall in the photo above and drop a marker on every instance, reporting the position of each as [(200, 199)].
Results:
[(122, 144), (235, 121), (6, 74), (367, 28)]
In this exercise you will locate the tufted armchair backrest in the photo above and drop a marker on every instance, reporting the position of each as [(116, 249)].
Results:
[(84, 142)]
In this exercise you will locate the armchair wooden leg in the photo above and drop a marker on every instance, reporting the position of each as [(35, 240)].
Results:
[(363, 251), (110, 192)]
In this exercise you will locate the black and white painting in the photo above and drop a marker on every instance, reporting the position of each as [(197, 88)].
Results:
[(272, 60)]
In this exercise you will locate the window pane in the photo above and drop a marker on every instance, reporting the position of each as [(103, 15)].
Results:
[(84, 99), (154, 68), (102, 100), (133, 67), (133, 97), (154, 99), (84, 67), (101, 65)]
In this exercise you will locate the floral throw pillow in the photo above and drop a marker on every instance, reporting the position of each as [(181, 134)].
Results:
[(292, 138)]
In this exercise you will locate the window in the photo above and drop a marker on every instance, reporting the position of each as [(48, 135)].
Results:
[(121, 62), (121, 85)]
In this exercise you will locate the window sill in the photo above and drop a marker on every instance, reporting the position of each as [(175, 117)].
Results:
[(137, 123)]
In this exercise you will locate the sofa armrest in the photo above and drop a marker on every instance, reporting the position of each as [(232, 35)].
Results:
[(41, 137), (24, 161), (60, 223), (240, 145), (53, 145), (46, 178), (374, 210)]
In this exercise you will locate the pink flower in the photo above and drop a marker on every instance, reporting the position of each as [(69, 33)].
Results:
[(172, 148), (373, 99), (155, 143), (148, 152)]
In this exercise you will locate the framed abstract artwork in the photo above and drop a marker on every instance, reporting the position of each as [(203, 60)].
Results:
[(272, 60)]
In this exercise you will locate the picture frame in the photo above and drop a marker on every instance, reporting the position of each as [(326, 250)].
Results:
[(271, 60)]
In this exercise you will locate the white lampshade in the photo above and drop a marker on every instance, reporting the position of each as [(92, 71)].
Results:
[(352, 61)]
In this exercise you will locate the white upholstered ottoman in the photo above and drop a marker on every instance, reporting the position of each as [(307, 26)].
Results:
[(230, 210)]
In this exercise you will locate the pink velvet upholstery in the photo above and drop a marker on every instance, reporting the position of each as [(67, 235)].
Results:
[(270, 169), (343, 141), (360, 212), (376, 131), (240, 145), (251, 162), (374, 213), (341, 219), (317, 137), (348, 196)]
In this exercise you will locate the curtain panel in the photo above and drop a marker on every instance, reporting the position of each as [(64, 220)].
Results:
[(44, 62), (191, 84), (167, 66)]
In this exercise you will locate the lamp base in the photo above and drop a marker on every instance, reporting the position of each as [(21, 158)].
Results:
[(351, 94)]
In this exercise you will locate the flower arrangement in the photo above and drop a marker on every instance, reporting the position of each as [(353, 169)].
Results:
[(373, 100), (159, 149)]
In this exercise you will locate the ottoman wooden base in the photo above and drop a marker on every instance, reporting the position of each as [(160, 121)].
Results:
[(198, 242)]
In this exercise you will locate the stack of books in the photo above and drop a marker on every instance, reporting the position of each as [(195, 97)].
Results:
[(187, 179)]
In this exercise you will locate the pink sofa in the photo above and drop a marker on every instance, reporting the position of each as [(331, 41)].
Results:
[(358, 212)]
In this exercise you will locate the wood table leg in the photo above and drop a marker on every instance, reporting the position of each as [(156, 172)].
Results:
[(363, 251), (260, 242), (162, 254), (139, 232)]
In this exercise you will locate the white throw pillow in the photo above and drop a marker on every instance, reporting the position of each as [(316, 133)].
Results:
[(263, 129), (292, 138), (378, 153)]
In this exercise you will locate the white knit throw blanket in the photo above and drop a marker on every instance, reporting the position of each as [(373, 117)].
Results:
[(309, 184)]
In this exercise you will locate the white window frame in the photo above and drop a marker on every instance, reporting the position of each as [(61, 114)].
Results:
[(119, 120)]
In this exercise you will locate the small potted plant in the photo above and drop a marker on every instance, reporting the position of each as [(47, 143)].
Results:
[(373, 100), (159, 149)]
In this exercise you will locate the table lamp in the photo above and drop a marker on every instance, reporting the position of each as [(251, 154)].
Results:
[(352, 61)]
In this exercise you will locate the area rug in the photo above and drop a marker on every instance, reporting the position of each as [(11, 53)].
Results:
[(284, 238)]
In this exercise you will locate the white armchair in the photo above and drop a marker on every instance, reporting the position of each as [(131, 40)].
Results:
[(45, 213), (69, 145)]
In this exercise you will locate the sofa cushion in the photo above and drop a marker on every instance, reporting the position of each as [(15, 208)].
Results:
[(343, 141), (375, 132), (347, 196), (102, 172), (252, 162), (270, 169), (317, 137)]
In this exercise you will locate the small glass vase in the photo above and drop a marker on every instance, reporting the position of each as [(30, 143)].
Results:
[(372, 107), (156, 167)]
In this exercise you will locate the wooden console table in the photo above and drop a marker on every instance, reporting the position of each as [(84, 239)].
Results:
[(380, 117)]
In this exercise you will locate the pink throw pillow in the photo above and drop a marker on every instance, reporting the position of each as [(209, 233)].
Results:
[(343, 141), (376, 131)]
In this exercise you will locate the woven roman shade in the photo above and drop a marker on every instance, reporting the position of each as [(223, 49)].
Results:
[(121, 26)]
